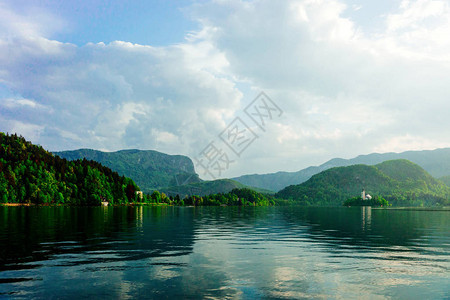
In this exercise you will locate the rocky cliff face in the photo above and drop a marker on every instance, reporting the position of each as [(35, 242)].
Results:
[(149, 169)]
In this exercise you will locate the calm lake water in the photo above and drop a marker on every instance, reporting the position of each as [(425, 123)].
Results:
[(223, 252)]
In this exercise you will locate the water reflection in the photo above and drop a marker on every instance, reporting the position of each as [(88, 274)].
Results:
[(37, 234), (217, 252), (366, 217), (371, 227), (326, 252)]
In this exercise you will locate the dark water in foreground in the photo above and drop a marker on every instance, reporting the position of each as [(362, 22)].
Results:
[(223, 252)]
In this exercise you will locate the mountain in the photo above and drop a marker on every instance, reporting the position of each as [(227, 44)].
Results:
[(149, 169), (30, 174), (208, 187), (436, 162), (401, 182)]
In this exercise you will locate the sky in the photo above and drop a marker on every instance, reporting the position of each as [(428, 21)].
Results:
[(339, 78)]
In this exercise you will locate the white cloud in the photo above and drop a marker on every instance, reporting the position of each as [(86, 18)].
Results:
[(410, 142), (13, 103), (120, 95), (420, 29), (31, 131), (344, 91), (32, 22)]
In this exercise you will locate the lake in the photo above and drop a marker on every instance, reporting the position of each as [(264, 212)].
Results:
[(224, 252)]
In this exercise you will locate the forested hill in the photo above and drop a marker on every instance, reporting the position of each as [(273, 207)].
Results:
[(150, 169), (208, 188), (30, 174), (401, 182), (436, 162)]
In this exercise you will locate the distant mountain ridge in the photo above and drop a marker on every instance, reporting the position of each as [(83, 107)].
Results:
[(399, 181), (436, 162), (149, 169), (153, 170)]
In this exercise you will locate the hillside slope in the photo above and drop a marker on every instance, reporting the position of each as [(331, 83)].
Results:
[(436, 162), (207, 188), (399, 181), (30, 174), (149, 169)]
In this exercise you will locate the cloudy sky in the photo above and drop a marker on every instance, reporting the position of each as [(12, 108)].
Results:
[(351, 77)]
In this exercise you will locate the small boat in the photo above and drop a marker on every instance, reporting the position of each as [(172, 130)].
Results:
[(105, 203)]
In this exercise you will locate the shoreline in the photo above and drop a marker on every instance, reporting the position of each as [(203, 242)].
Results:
[(70, 205), (17, 204), (443, 208)]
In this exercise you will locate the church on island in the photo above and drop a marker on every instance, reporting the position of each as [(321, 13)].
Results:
[(365, 196)]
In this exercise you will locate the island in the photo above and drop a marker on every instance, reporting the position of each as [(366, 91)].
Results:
[(366, 200)]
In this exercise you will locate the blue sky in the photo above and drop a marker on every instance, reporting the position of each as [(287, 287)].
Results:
[(352, 77), (155, 22)]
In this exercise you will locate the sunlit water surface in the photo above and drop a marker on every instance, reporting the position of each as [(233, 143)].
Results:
[(223, 252)]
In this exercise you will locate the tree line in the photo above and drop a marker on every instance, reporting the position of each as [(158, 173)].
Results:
[(236, 197), (375, 201), (30, 174)]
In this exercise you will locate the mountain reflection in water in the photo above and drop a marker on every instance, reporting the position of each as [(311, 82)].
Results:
[(223, 252)]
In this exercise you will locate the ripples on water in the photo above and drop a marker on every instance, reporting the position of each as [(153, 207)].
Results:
[(220, 252)]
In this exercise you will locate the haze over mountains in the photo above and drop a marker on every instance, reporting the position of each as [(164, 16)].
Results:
[(436, 162), (176, 174)]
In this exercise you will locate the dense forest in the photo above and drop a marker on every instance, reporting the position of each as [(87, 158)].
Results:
[(400, 182), (30, 174), (236, 197), (152, 170), (149, 169), (203, 188)]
